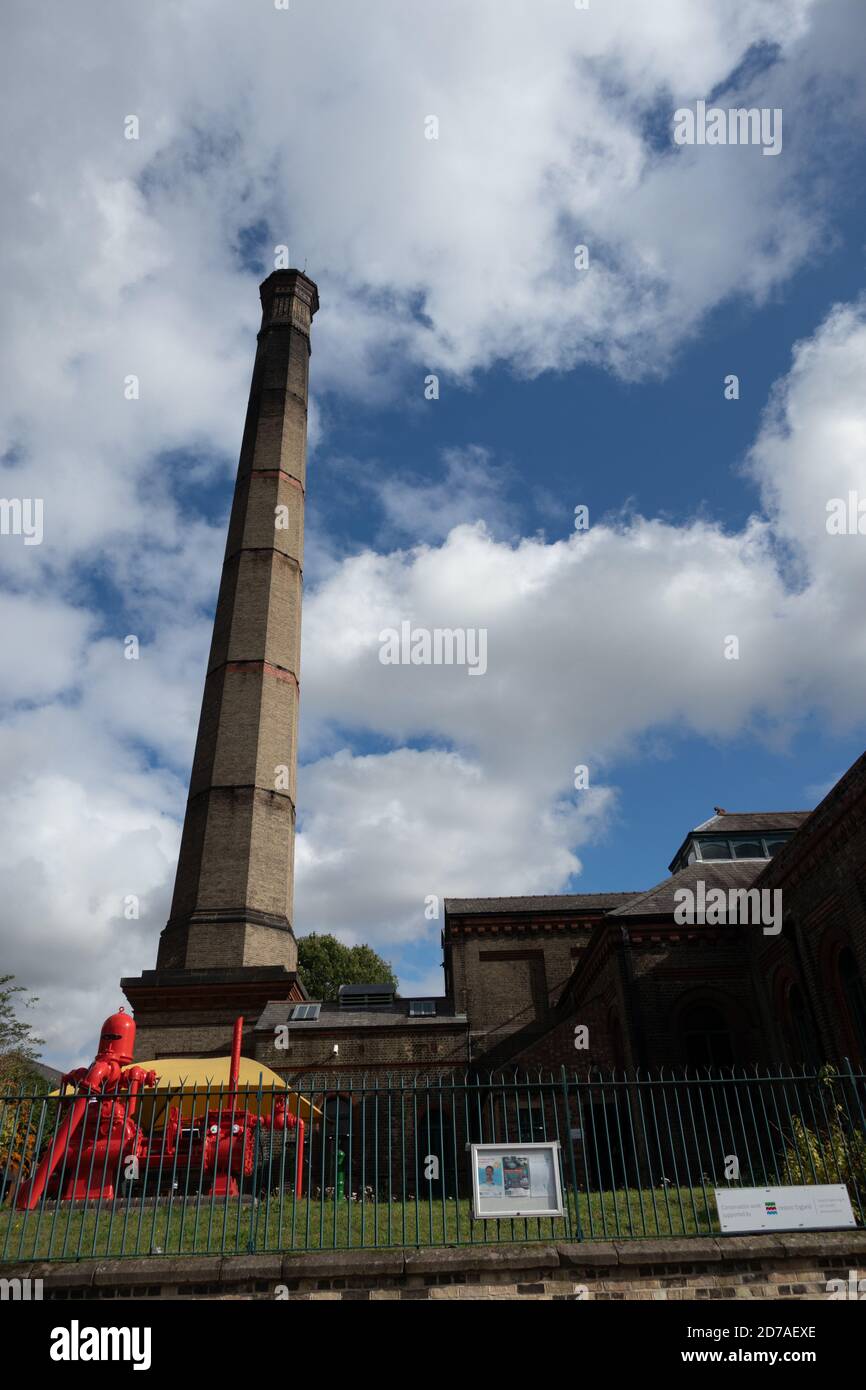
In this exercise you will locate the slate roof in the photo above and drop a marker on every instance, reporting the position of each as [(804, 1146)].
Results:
[(331, 1016), (718, 873), (737, 822), (552, 902)]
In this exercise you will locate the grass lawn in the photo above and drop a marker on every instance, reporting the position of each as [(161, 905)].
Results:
[(209, 1225)]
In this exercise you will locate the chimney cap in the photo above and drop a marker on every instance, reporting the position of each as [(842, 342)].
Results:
[(293, 282)]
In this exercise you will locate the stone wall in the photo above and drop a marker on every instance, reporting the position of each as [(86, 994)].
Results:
[(788, 1266), (364, 1050)]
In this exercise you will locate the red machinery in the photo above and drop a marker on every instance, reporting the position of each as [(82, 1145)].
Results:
[(100, 1137)]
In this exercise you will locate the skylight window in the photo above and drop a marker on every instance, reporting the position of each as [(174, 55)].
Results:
[(422, 1008), (738, 847), (305, 1013)]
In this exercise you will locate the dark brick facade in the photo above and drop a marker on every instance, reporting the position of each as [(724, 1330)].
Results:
[(813, 976), (507, 962)]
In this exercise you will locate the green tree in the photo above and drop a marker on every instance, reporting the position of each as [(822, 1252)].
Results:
[(19, 1046), (324, 964), (23, 1119)]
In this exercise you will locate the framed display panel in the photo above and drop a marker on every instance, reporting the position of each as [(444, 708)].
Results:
[(515, 1179)]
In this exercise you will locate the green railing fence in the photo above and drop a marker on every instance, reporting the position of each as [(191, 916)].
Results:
[(385, 1161)]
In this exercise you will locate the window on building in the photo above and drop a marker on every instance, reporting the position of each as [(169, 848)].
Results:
[(774, 843), (714, 849), (305, 1013), (705, 1037), (747, 849), (738, 846), (422, 1008)]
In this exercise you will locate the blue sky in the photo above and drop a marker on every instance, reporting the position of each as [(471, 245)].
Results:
[(451, 256)]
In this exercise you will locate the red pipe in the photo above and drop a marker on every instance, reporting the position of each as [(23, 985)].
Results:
[(234, 1070), (30, 1193)]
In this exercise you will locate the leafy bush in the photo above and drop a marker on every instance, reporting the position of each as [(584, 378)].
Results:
[(831, 1153)]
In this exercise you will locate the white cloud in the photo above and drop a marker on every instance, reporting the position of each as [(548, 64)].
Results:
[(125, 248), (43, 644), (83, 825), (450, 255), (396, 829), (593, 643)]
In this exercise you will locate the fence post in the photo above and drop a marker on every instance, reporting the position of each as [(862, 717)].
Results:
[(252, 1243), (856, 1092), (579, 1231)]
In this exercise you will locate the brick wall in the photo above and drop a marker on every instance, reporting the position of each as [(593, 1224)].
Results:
[(822, 876), (737, 1268), (363, 1050), (507, 974)]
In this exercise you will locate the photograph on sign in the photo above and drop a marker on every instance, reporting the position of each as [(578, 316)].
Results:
[(817, 1207), (516, 1180)]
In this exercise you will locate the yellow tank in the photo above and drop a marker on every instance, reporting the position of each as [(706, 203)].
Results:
[(204, 1082)]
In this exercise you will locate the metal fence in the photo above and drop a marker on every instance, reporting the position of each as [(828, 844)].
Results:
[(384, 1161)]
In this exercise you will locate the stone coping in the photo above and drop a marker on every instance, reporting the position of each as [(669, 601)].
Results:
[(192, 1272)]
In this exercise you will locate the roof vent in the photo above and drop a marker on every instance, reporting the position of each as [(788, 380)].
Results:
[(366, 996)]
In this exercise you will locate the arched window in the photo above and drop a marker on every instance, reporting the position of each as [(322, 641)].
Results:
[(797, 1025), (853, 998), (705, 1037)]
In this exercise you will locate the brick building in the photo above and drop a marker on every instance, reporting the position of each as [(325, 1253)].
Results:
[(508, 960), (813, 974)]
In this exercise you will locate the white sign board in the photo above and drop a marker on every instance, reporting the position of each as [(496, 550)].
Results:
[(515, 1179), (784, 1208)]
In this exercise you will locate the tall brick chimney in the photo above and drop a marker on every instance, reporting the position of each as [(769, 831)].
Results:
[(228, 946)]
